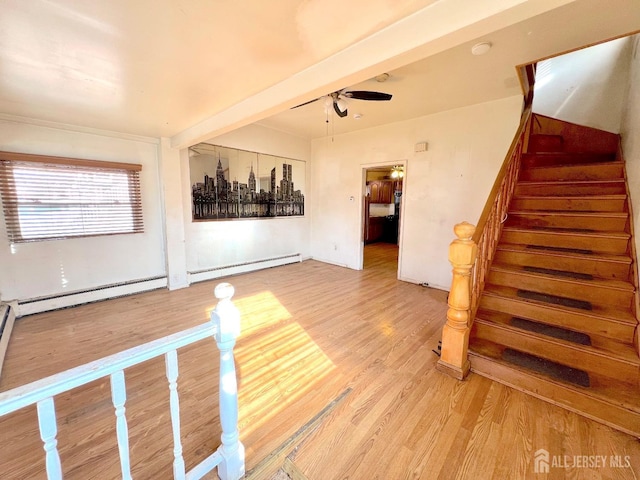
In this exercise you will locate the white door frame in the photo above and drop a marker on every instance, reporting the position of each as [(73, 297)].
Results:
[(365, 166)]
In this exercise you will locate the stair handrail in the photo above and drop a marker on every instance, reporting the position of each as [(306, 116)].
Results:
[(494, 214), (471, 254), (224, 327)]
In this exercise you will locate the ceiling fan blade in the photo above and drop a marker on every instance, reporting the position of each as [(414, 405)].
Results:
[(340, 113), (366, 95), (306, 103)]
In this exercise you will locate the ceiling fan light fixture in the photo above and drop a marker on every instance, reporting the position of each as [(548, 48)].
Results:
[(339, 101), (328, 104), (397, 171)]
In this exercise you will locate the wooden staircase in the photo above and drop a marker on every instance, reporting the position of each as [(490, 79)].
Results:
[(557, 317)]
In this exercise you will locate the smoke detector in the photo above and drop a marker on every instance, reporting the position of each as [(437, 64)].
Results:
[(481, 48)]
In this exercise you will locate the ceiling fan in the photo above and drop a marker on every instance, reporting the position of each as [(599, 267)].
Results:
[(339, 99)]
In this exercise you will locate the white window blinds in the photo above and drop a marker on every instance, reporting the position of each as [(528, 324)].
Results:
[(46, 198)]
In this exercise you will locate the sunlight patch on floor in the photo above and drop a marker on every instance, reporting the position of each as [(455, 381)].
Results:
[(277, 360), (257, 312)]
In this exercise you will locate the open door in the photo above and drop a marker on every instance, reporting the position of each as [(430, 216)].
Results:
[(381, 217)]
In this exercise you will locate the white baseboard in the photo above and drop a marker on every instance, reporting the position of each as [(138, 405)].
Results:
[(331, 262), (225, 271), (7, 318), (55, 302), (419, 282)]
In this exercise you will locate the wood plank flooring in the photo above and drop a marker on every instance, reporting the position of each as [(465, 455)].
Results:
[(311, 331)]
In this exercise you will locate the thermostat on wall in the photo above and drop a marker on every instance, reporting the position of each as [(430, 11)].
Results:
[(420, 147)]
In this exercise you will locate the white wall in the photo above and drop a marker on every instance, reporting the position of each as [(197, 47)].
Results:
[(631, 136), (173, 215), (223, 243), (443, 186), (586, 87), (37, 269)]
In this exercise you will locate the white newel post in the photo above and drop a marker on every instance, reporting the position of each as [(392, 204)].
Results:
[(226, 319)]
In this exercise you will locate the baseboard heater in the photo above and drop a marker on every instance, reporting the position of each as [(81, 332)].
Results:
[(7, 318), (70, 299), (226, 270)]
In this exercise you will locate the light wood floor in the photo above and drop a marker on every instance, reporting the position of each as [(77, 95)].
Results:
[(313, 334)]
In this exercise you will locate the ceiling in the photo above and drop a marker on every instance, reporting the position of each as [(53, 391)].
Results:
[(193, 69), (455, 77)]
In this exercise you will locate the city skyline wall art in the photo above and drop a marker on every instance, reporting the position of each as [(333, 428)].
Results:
[(230, 184)]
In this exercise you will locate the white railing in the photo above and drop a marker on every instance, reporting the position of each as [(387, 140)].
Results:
[(224, 327)]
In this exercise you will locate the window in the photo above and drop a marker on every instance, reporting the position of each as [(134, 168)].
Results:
[(47, 198)]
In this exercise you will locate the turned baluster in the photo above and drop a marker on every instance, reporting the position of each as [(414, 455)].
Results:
[(119, 397), (171, 364), (455, 334), (226, 319), (48, 433)]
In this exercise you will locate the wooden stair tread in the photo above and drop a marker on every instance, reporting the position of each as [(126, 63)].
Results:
[(600, 346), (516, 247), (589, 157), (587, 283), (598, 321), (575, 172), (573, 154), (544, 238), (605, 312), (570, 213), (615, 196), (575, 203), (617, 393), (597, 221), (558, 356), (606, 400), (615, 181), (600, 265), (598, 341), (621, 235), (577, 165), (553, 186)]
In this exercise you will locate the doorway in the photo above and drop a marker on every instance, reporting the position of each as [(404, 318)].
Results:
[(382, 217)]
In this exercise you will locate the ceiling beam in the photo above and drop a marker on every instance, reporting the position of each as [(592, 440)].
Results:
[(435, 28)]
